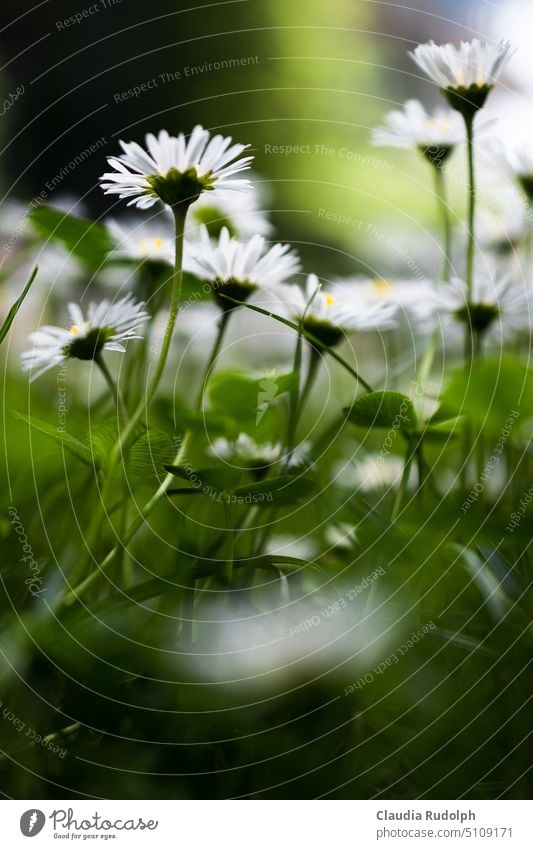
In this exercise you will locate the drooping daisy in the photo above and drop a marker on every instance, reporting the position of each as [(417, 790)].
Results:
[(329, 313), (106, 327), (239, 212), (236, 268), (434, 135), (466, 74), (498, 308), (245, 452), (175, 170), (141, 241)]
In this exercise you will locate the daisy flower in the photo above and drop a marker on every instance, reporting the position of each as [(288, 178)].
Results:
[(516, 159), (174, 170), (246, 452), (499, 307), (466, 74), (329, 314), (434, 135), (413, 298), (238, 268), (141, 241), (106, 327), (239, 212)]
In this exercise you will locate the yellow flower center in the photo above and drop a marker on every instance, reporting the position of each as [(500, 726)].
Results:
[(74, 329), (329, 300), (150, 246), (460, 77), (382, 287)]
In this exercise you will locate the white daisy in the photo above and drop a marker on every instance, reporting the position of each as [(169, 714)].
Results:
[(435, 135), (499, 307), (238, 211), (246, 452), (329, 314), (141, 241), (107, 325), (467, 73), (238, 268), (515, 157), (413, 298), (175, 170)]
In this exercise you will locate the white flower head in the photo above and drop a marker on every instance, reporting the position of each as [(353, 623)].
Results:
[(329, 313), (413, 298), (239, 212), (499, 307), (247, 453), (141, 241), (467, 73), (175, 170), (515, 157), (106, 327), (434, 134), (236, 268)]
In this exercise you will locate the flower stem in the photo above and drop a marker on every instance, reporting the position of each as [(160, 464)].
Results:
[(410, 453), (469, 122), (440, 191), (115, 391)]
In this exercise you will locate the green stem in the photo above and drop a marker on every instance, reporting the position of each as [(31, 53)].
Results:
[(115, 391), (469, 122), (117, 452), (230, 539), (440, 191), (402, 489)]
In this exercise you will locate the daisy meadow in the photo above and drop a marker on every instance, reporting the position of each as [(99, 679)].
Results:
[(466, 74), (433, 134), (236, 268), (175, 170), (106, 327), (499, 307), (329, 314)]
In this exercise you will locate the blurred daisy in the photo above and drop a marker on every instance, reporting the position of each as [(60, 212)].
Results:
[(106, 327), (434, 135), (174, 170), (374, 471), (141, 241), (239, 212), (467, 73), (329, 314), (499, 307), (411, 297), (516, 159), (238, 268), (244, 451)]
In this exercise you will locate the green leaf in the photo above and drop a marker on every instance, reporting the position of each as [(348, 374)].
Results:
[(496, 394), (276, 492), (16, 306), (208, 481), (383, 410), (66, 440), (240, 396), (86, 240)]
